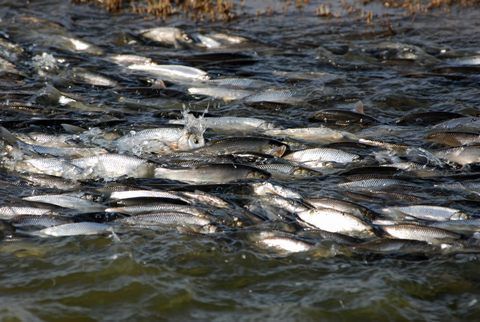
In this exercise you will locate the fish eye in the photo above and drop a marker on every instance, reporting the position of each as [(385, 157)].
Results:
[(195, 139)]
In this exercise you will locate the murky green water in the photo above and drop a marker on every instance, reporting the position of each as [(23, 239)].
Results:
[(168, 275)]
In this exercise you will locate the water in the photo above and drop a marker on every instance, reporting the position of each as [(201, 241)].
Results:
[(169, 275)]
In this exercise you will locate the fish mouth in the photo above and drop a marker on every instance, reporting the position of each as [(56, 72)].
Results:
[(279, 151)]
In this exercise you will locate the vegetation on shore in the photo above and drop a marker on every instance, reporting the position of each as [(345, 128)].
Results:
[(226, 10)]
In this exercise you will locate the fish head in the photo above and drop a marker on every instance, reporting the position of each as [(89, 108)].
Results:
[(190, 141), (277, 150), (256, 174), (304, 172)]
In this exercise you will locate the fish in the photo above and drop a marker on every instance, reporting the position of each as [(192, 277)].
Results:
[(157, 208), (425, 212), (39, 220), (462, 226), (67, 201), (223, 93), (126, 59), (244, 144), (453, 138), (343, 206), (268, 188), (73, 229), (285, 243), (167, 36), (232, 123), (335, 221), (205, 199), (110, 166), (166, 219), (211, 173), (291, 206), (427, 118), (8, 212), (373, 184), (313, 156), (394, 247), (173, 73), (318, 135), (135, 194), (288, 97), (161, 140), (215, 40), (463, 155), (48, 166), (421, 233), (466, 123), (84, 76), (285, 170), (48, 148), (343, 117), (6, 230)]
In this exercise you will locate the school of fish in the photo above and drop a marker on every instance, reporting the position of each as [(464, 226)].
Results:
[(98, 168)]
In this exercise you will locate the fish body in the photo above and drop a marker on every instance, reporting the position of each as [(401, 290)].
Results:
[(319, 135), (454, 138), (321, 155), (74, 229), (336, 222), (167, 36), (242, 145), (421, 233), (426, 212), (110, 166), (160, 140), (211, 173), (232, 123), (171, 72), (463, 155)]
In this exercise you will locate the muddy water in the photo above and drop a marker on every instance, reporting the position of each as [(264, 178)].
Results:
[(168, 275)]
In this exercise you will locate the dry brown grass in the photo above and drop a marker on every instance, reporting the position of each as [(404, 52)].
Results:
[(194, 9), (226, 10)]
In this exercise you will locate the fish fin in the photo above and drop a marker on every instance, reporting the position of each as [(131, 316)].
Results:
[(359, 107), (114, 236), (73, 129), (8, 136)]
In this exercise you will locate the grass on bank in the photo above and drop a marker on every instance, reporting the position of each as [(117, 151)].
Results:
[(226, 10)]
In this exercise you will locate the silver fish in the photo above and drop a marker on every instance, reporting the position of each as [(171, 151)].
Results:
[(336, 222), (164, 219), (158, 207), (169, 36), (211, 173), (68, 201), (418, 232), (110, 166), (134, 194), (174, 73), (7, 212), (321, 155), (426, 212), (42, 220), (267, 188), (161, 140), (226, 94), (74, 229), (232, 123), (319, 135), (281, 242), (461, 155), (342, 206)]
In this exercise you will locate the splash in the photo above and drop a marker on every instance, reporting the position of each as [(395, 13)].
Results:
[(192, 124)]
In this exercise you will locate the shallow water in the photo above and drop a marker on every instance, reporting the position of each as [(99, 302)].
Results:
[(174, 276)]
